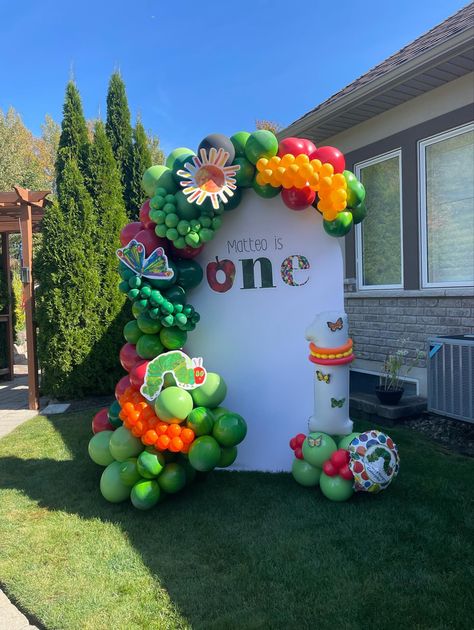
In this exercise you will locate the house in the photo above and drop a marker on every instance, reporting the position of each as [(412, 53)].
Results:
[(406, 128)]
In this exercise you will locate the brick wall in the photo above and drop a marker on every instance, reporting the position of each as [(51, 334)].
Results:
[(377, 324)]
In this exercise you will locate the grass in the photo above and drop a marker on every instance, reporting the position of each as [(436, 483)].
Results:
[(240, 551)]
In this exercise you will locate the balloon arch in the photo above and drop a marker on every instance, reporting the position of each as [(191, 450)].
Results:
[(168, 424)]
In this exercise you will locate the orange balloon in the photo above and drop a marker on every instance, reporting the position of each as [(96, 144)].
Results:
[(162, 428), (176, 445), (287, 159), (316, 164), (301, 159), (326, 170), (150, 437), (187, 435), (163, 441), (261, 180), (173, 430), (261, 164)]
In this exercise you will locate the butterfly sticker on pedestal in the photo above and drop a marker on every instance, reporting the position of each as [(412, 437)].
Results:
[(153, 266)]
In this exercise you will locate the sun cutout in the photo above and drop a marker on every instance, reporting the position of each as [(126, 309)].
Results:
[(209, 177)]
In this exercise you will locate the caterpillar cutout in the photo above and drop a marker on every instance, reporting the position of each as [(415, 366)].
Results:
[(188, 373)]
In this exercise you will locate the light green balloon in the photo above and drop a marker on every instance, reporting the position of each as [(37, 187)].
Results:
[(99, 450), (124, 445), (111, 486), (345, 440), (211, 393), (129, 474), (239, 140), (158, 176), (176, 153), (304, 473), (173, 404), (317, 448), (336, 488)]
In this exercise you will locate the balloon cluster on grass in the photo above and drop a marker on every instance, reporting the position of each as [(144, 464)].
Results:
[(359, 462)]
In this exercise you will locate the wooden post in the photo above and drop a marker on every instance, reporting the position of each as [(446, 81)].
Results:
[(9, 319), (26, 228)]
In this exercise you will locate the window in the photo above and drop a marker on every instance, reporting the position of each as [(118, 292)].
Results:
[(446, 184), (379, 236)]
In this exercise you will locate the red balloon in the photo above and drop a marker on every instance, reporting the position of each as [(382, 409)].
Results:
[(186, 252), (293, 444), (150, 240), (329, 469), (130, 231), (298, 198), (299, 439), (346, 473), (121, 386), (137, 374), (299, 453), (145, 215), (100, 422), (296, 146), (331, 155), (129, 356), (340, 458)]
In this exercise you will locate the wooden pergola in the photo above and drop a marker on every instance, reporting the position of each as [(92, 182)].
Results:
[(21, 211)]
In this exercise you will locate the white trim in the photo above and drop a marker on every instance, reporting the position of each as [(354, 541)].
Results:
[(423, 234), (358, 231)]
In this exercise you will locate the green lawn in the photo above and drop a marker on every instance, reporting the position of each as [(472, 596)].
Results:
[(242, 550)]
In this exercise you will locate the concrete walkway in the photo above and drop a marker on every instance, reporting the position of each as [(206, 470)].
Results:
[(10, 617)]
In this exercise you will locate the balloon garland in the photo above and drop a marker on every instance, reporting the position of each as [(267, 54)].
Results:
[(167, 424)]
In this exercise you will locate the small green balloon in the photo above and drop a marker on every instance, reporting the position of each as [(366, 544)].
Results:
[(204, 454), (173, 338), (147, 325), (304, 473), (145, 494), (341, 225), (261, 143), (132, 332), (346, 440), (129, 474), (230, 429), (99, 450), (149, 465), (201, 420), (173, 404), (266, 191), (336, 488), (228, 457), (244, 176), (138, 309), (211, 393), (239, 140), (359, 213), (111, 486), (181, 151), (158, 176), (149, 346), (123, 444), (173, 478), (320, 448)]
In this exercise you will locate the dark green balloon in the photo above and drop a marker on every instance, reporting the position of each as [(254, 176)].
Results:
[(176, 294), (234, 201), (125, 272), (217, 412), (138, 309), (266, 191), (113, 414), (244, 176), (180, 165), (341, 225), (359, 213), (228, 457), (132, 332), (239, 140), (149, 465), (179, 152), (173, 478), (173, 338), (204, 454), (230, 429), (184, 209), (201, 420), (145, 494), (147, 325), (149, 346), (190, 273)]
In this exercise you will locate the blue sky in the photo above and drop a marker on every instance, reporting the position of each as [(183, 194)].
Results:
[(193, 68)]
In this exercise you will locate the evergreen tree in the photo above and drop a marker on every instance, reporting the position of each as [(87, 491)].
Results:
[(119, 131), (103, 182), (141, 160), (73, 141), (69, 286)]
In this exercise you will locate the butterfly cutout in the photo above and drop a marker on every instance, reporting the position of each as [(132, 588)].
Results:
[(337, 403), (315, 441), (337, 325), (323, 377), (155, 266)]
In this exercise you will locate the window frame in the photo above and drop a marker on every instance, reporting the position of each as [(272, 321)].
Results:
[(422, 209), (358, 228)]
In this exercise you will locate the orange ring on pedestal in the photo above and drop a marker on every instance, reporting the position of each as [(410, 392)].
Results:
[(340, 350)]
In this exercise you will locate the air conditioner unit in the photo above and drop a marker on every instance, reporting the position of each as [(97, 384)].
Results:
[(451, 376)]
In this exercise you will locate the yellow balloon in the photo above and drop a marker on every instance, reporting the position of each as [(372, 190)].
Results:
[(330, 215), (279, 174), (326, 170), (339, 181), (287, 181), (293, 169), (340, 206), (313, 180), (274, 162), (325, 184), (301, 159), (306, 170), (276, 183), (316, 164), (260, 179), (262, 164), (338, 196), (287, 159), (300, 182)]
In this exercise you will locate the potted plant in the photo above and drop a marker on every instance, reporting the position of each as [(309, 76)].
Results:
[(390, 390)]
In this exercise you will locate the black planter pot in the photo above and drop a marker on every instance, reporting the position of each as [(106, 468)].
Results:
[(389, 396)]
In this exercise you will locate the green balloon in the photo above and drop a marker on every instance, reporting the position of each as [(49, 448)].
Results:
[(184, 209), (149, 346), (173, 338), (304, 473), (99, 450), (359, 213), (158, 176), (145, 494), (201, 421), (228, 457), (180, 165), (204, 454), (245, 174), (113, 414), (345, 440), (129, 474), (170, 160), (190, 273), (230, 429), (217, 412), (355, 190), (321, 447), (173, 404), (266, 191), (233, 202), (341, 225), (173, 478), (336, 488), (239, 140), (149, 465), (261, 143), (148, 325), (111, 486), (211, 393), (132, 332), (123, 445), (175, 294)]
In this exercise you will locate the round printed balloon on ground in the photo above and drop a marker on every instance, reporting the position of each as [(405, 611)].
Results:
[(374, 461)]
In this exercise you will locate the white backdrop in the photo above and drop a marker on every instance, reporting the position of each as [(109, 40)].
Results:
[(255, 338)]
